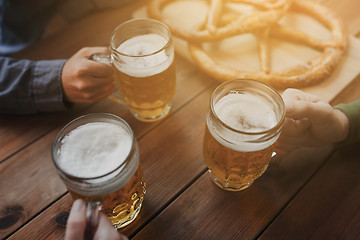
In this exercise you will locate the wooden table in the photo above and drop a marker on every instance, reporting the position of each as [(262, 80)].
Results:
[(311, 194)]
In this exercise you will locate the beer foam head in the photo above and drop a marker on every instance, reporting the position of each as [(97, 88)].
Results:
[(245, 112), (144, 45), (94, 149)]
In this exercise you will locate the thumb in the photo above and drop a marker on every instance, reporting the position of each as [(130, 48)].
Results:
[(76, 223), (302, 109)]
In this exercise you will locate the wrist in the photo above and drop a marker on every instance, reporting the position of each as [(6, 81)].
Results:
[(343, 125)]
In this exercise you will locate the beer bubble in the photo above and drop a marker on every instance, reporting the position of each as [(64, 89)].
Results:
[(142, 59), (245, 112), (94, 149)]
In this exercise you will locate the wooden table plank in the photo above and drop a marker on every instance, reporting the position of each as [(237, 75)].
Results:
[(160, 146), (25, 129), (28, 184), (194, 216), (172, 156), (50, 224), (12, 188), (35, 200), (93, 30), (16, 132), (160, 164), (189, 84), (329, 205), (204, 211), (77, 36)]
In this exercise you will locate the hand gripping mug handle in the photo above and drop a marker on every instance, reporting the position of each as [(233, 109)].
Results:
[(105, 58), (92, 219)]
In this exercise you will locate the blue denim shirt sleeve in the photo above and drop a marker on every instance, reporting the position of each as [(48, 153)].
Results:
[(22, 22), (30, 86), (35, 86)]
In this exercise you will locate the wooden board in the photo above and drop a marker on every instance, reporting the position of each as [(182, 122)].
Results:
[(241, 51)]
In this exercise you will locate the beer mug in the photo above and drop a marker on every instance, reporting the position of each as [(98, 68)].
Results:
[(244, 121), (97, 158), (142, 54)]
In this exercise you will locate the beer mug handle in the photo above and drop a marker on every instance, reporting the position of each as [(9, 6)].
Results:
[(92, 218), (105, 58), (274, 156)]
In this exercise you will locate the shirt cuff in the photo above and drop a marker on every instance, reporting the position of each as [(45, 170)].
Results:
[(352, 111), (47, 86)]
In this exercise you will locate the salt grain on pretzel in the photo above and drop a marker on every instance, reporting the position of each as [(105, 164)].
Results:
[(243, 24), (311, 73)]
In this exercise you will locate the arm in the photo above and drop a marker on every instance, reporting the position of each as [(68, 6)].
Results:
[(42, 86), (28, 86)]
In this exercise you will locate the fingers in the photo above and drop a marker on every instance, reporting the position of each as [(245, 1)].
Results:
[(293, 97), (76, 223), (83, 66), (295, 127), (284, 149), (97, 69), (300, 105), (93, 94), (317, 113), (294, 132), (75, 227), (86, 52), (292, 94), (85, 80), (94, 84), (293, 135), (106, 230), (310, 121)]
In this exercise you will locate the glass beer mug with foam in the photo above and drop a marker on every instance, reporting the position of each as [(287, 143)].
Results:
[(97, 158), (142, 54), (244, 121)]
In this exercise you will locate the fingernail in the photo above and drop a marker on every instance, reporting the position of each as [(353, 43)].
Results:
[(78, 204)]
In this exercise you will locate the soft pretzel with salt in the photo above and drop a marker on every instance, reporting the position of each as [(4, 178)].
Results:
[(311, 73), (271, 12)]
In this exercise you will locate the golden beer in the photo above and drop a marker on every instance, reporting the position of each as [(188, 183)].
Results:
[(143, 56), (243, 123), (123, 205), (97, 158), (148, 96), (232, 169)]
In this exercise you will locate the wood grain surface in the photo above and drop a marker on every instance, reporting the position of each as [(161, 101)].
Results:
[(310, 194)]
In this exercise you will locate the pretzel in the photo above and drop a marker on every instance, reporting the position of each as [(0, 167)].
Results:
[(312, 73), (271, 12)]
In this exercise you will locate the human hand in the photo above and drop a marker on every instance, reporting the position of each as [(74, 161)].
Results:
[(76, 224), (87, 81), (310, 122)]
